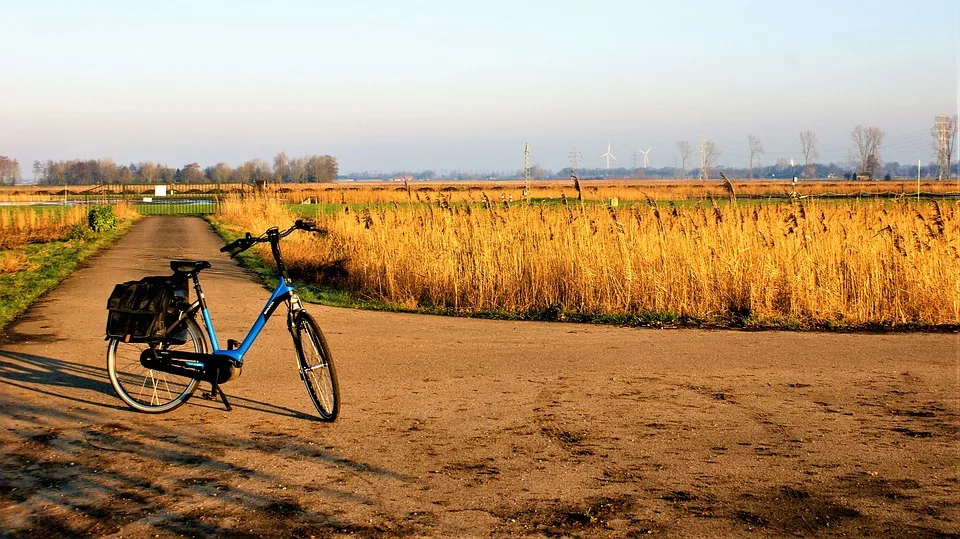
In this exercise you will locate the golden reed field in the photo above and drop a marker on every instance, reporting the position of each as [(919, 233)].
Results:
[(20, 225), (39, 224), (801, 263), (623, 190), (392, 191)]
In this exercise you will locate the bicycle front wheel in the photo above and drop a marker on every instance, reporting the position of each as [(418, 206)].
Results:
[(149, 390), (316, 366)]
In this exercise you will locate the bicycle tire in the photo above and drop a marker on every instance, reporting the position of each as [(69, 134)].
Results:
[(146, 390), (316, 366)]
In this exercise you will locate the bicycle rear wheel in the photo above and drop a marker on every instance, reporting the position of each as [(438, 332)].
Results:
[(316, 366), (148, 390)]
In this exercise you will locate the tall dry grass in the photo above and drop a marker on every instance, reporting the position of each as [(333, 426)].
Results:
[(806, 263), (623, 190), (26, 224), (461, 191)]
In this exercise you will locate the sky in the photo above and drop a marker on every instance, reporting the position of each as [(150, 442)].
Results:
[(449, 85)]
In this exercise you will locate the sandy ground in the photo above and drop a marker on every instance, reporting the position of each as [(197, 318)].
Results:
[(460, 427)]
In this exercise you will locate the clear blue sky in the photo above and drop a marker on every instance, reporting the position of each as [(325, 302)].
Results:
[(390, 85)]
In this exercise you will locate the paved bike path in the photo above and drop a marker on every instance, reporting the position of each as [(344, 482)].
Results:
[(469, 427)]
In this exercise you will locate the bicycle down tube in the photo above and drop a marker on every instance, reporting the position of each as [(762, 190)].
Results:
[(279, 295)]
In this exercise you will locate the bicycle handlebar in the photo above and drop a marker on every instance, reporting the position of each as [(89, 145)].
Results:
[(242, 244)]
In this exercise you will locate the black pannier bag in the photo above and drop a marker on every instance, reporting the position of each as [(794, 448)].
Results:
[(144, 310)]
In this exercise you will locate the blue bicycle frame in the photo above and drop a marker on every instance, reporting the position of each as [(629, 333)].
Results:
[(281, 293)]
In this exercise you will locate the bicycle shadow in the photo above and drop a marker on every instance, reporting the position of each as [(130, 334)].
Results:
[(44, 375), (122, 465), (178, 479), (199, 401)]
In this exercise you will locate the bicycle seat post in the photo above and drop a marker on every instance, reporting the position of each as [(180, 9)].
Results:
[(196, 287)]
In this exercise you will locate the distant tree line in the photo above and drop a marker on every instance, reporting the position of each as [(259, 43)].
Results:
[(780, 169), (862, 162), (313, 168)]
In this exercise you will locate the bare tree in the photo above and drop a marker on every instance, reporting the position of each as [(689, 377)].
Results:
[(944, 133), (808, 145), (244, 172), (148, 171), (166, 174), (38, 172), (711, 156), (866, 151), (9, 170), (756, 150), (685, 152), (322, 168), (191, 173), (124, 175), (281, 167), (106, 171), (221, 172), (298, 169), (260, 170)]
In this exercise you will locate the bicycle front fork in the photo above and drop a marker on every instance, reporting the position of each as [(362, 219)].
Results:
[(294, 306)]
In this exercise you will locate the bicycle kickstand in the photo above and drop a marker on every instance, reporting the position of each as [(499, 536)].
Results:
[(214, 391)]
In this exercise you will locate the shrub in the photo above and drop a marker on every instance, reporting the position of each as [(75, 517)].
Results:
[(77, 232), (102, 218)]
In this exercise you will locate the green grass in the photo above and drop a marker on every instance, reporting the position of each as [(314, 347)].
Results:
[(48, 265), (176, 209), (51, 209)]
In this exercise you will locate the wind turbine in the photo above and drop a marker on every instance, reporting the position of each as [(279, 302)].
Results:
[(646, 157), (608, 155)]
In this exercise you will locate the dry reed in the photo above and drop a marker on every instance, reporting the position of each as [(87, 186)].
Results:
[(805, 263), (623, 190), (24, 224)]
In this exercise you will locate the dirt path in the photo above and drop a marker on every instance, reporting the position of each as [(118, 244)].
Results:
[(458, 427)]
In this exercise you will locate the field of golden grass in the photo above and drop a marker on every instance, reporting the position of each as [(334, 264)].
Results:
[(805, 263), (39, 224), (20, 225), (388, 192), (605, 190)]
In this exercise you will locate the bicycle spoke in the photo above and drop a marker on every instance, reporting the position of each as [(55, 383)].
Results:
[(316, 368), (142, 387), (151, 390)]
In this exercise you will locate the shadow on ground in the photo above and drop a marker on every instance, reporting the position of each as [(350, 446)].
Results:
[(64, 472)]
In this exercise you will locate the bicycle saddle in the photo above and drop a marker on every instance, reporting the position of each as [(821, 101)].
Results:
[(188, 267)]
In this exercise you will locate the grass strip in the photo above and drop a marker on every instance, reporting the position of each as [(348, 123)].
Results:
[(48, 264)]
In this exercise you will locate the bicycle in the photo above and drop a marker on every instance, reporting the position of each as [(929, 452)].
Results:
[(159, 376)]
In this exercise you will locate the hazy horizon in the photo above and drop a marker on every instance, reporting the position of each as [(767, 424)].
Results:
[(462, 86)]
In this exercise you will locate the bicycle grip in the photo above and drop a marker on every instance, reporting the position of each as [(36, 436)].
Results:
[(239, 244)]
